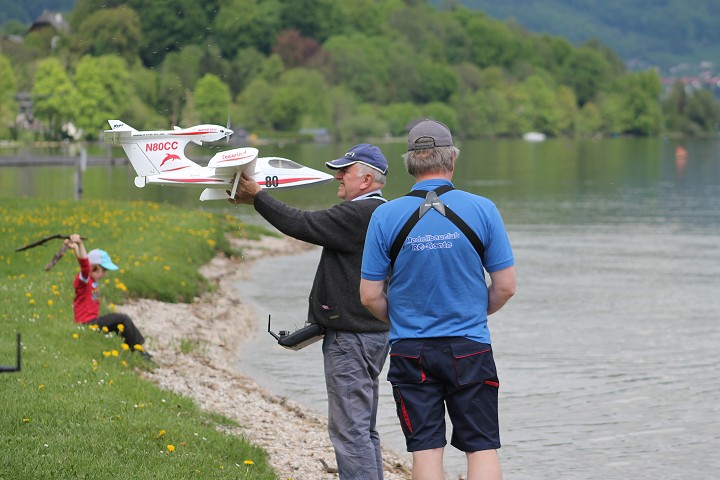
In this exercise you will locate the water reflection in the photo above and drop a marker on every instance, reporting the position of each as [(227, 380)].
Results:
[(607, 355)]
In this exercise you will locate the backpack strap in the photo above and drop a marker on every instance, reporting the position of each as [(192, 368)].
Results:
[(431, 201)]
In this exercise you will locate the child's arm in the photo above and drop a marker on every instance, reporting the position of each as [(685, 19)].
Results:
[(76, 243)]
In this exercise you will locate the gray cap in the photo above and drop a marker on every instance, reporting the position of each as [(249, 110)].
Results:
[(429, 134)]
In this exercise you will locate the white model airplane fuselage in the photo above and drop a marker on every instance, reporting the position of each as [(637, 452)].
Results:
[(158, 157)]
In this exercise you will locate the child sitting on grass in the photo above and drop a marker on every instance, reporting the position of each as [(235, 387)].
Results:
[(86, 305)]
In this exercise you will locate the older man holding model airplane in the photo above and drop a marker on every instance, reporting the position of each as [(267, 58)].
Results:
[(356, 343)]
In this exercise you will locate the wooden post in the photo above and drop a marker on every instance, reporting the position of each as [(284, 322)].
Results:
[(81, 166)]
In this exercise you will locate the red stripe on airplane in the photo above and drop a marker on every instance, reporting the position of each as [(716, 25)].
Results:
[(192, 180), (235, 159), (290, 180), (175, 169)]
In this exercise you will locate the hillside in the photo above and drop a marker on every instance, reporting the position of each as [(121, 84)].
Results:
[(649, 32)]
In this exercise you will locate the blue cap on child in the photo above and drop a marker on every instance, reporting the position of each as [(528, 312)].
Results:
[(101, 257)]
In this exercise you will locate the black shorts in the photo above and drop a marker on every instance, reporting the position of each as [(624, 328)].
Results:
[(429, 374)]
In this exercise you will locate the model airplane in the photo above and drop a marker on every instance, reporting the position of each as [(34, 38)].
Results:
[(158, 157)]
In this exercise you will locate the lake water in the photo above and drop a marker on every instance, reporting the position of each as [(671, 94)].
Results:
[(607, 355)]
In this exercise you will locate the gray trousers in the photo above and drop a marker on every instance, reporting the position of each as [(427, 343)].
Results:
[(353, 362)]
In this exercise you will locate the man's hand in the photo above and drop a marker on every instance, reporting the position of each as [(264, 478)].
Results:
[(246, 190)]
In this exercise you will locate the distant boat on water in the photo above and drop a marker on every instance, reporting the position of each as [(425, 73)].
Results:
[(534, 137)]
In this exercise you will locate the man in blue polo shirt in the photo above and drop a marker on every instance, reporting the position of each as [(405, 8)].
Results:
[(435, 244)]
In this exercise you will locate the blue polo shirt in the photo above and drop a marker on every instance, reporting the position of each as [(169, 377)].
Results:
[(437, 287)]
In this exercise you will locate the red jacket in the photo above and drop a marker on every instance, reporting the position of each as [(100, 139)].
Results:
[(86, 305)]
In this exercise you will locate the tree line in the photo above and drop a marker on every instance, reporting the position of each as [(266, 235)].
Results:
[(360, 68)]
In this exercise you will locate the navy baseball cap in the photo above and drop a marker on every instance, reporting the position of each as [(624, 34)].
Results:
[(429, 134), (364, 153)]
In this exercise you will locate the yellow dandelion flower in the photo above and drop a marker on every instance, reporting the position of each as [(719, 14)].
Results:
[(106, 353), (28, 294), (110, 382), (32, 301), (115, 353), (93, 327), (125, 347), (211, 242), (41, 386), (124, 363), (249, 462), (112, 308), (166, 268), (138, 347), (105, 329), (76, 336), (161, 433), (26, 420), (50, 302), (121, 327), (171, 448)]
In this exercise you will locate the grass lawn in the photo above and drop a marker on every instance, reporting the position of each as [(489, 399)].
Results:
[(77, 409)]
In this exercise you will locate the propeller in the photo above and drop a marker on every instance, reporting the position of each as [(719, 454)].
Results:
[(229, 132)]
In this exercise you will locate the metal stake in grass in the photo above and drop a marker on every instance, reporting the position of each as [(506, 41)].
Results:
[(15, 368)]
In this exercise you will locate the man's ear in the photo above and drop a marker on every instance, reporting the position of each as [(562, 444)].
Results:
[(367, 180)]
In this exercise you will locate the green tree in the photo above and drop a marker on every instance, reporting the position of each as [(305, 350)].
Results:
[(360, 63), (343, 105), (307, 89), (178, 75), (589, 120), (55, 99), (86, 8), (398, 115), (703, 111), (441, 112), (8, 90), (641, 113), (492, 43), (248, 23), (485, 113), (543, 112), (435, 83), (587, 72), (675, 107), (252, 104), (244, 67), (567, 105), (315, 19), (110, 31), (104, 90), (212, 99), (362, 125), (170, 25)]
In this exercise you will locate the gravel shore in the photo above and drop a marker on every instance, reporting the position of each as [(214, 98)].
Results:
[(210, 330)]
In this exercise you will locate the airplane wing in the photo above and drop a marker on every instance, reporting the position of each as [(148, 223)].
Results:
[(231, 162)]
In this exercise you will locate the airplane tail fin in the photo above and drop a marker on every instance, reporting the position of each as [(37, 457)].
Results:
[(149, 155)]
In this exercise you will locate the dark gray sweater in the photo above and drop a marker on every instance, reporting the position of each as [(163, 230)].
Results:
[(340, 230)]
